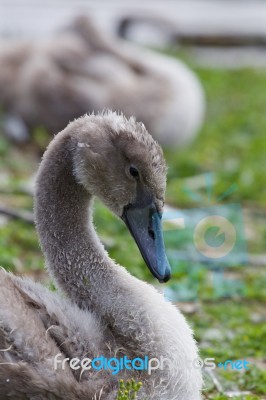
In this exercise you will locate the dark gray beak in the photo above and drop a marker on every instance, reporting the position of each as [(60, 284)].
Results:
[(144, 224)]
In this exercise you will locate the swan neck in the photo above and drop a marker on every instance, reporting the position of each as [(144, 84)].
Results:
[(63, 216)]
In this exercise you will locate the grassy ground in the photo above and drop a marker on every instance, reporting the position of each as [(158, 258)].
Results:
[(229, 324)]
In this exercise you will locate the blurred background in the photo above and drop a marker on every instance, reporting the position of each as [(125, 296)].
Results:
[(195, 73)]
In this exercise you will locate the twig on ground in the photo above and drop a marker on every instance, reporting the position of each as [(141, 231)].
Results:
[(25, 216)]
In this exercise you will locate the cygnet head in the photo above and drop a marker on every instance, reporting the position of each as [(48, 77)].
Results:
[(118, 161)]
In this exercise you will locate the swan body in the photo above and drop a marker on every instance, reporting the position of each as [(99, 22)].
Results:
[(100, 309), (81, 70)]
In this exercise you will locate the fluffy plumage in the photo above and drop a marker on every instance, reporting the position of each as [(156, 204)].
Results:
[(108, 312)]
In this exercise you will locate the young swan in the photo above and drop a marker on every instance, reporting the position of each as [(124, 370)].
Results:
[(111, 313)]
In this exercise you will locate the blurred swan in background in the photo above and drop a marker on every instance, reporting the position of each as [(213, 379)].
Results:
[(81, 69)]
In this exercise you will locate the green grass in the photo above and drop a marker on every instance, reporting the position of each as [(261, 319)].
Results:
[(232, 142), (128, 390), (232, 146)]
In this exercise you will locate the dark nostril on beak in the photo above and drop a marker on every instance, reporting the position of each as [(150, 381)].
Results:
[(150, 228), (151, 233)]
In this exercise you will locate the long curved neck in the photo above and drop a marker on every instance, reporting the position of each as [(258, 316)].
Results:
[(73, 252), (74, 255)]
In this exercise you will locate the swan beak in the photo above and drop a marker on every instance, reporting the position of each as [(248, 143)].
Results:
[(145, 226)]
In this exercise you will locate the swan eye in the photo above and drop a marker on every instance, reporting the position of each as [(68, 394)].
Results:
[(133, 171)]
